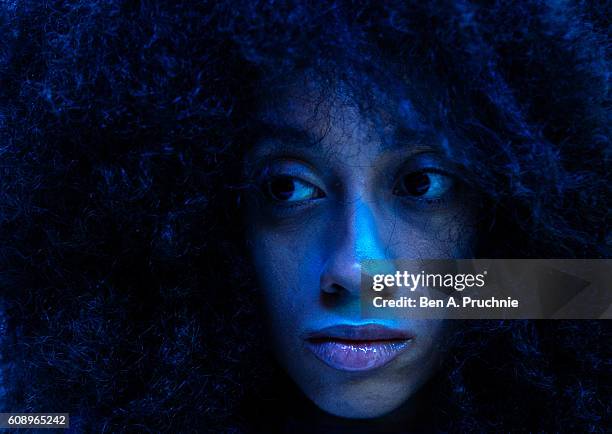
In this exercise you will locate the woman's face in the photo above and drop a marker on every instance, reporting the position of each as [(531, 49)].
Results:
[(338, 184)]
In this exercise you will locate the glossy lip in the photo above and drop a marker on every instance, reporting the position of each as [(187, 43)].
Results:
[(357, 347)]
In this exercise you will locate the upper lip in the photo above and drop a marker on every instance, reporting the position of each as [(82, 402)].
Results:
[(365, 332)]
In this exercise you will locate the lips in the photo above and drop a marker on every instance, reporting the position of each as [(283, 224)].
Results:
[(357, 348)]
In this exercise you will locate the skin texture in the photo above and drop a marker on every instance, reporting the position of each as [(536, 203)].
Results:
[(307, 252), (123, 270)]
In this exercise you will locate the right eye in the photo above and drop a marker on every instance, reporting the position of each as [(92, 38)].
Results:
[(284, 188)]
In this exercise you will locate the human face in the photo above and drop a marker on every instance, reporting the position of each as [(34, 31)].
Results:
[(338, 184)]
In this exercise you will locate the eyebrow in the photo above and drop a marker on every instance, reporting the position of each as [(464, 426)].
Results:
[(285, 133), (403, 137)]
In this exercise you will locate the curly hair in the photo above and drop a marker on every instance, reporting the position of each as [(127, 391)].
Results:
[(127, 296)]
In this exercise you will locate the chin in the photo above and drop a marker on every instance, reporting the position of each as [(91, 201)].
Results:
[(361, 404)]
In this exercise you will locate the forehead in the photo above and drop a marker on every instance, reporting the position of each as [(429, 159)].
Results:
[(338, 115), (310, 102)]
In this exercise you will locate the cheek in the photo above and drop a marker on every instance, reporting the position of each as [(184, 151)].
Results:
[(450, 234), (287, 264)]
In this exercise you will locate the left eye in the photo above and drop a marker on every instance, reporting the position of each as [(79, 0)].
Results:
[(423, 185), (290, 189)]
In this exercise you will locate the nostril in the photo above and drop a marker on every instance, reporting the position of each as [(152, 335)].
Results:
[(334, 288)]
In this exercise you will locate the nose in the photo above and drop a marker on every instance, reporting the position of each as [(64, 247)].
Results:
[(353, 239)]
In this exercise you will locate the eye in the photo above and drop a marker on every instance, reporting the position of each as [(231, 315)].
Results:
[(284, 188), (427, 185)]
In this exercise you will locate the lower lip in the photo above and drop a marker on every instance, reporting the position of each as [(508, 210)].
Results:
[(357, 355)]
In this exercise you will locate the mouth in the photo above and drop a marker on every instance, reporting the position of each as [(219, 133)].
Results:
[(357, 348)]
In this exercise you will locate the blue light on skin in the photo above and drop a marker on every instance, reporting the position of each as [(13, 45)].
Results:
[(335, 185)]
